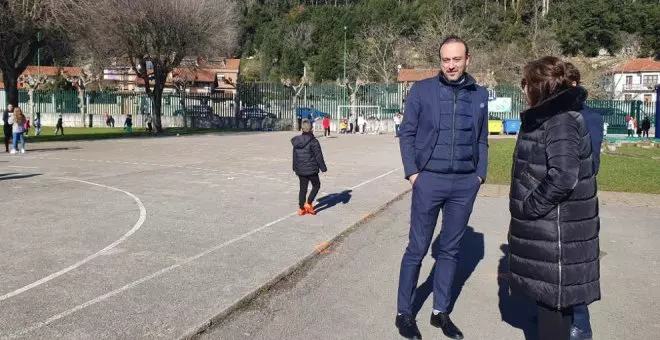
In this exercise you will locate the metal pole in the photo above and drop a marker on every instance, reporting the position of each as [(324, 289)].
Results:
[(344, 79), (657, 112), (39, 56)]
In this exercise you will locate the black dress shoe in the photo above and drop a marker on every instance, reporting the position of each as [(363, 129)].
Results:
[(578, 334), (408, 327), (443, 322)]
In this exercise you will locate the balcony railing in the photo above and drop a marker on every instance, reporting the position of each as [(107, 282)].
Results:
[(639, 87)]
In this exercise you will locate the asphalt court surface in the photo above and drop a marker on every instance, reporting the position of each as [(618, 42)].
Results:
[(150, 238)]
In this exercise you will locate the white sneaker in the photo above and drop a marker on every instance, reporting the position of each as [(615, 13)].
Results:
[(13, 151), (23, 150)]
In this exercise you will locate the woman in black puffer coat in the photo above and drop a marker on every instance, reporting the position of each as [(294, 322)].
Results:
[(553, 235), (307, 162)]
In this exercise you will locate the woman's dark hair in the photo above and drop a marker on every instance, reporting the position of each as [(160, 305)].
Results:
[(544, 78)]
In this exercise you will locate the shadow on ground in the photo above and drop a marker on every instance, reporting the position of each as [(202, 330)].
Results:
[(516, 310), (472, 252), (331, 200), (54, 149), (9, 176)]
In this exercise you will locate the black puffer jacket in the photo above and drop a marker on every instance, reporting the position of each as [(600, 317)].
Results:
[(307, 155), (553, 235)]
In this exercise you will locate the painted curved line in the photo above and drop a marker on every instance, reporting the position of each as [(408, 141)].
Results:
[(161, 272), (136, 227)]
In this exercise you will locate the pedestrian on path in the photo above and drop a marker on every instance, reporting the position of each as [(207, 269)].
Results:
[(59, 127), (445, 158), (17, 121), (128, 123), (6, 126), (631, 127), (307, 162), (362, 123), (646, 126), (397, 123), (37, 125), (326, 126), (553, 233), (26, 127)]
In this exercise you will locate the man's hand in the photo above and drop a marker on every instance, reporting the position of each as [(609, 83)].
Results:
[(481, 180), (413, 178)]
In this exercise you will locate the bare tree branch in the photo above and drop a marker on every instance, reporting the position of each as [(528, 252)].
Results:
[(299, 36), (381, 49), (430, 35), (153, 36)]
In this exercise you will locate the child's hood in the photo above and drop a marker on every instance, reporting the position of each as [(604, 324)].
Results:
[(301, 141)]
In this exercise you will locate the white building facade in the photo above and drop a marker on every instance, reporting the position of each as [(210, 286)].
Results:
[(636, 80)]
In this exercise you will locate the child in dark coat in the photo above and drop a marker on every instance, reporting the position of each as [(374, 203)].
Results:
[(307, 162)]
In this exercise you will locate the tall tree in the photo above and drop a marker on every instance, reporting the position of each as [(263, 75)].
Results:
[(22, 23), (155, 36)]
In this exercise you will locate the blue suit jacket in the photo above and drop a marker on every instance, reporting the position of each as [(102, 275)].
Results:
[(418, 133), (595, 126)]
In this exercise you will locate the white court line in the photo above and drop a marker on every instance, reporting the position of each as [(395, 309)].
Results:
[(160, 272), (138, 225), (140, 281), (22, 167), (373, 179)]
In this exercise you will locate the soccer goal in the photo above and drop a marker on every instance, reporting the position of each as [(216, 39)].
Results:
[(369, 115)]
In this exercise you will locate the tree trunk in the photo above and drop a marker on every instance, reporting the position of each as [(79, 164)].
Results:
[(11, 87), (160, 77), (83, 107), (158, 103)]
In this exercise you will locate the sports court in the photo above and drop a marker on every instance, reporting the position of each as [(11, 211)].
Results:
[(151, 238)]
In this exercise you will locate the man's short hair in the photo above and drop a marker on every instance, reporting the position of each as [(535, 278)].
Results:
[(306, 126), (455, 39), (572, 73)]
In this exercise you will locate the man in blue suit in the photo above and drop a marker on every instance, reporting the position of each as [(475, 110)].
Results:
[(581, 328), (444, 148)]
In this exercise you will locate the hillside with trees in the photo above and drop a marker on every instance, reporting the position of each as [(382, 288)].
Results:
[(281, 38)]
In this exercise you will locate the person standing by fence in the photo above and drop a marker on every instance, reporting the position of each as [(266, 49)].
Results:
[(397, 123), (128, 123), (362, 123), (326, 126), (26, 127), (59, 127), (646, 126), (37, 125), (631, 127), (6, 126)]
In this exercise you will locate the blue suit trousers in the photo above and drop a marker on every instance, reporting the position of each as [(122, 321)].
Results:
[(454, 195)]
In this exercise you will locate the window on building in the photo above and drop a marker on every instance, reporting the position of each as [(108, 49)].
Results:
[(628, 80), (650, 80)]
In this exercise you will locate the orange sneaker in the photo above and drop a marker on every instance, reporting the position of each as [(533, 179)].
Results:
[(302, 212), (310, 209)]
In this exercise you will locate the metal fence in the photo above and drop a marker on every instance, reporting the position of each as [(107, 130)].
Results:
[(614, 112), (278, 100), (327, 98)]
